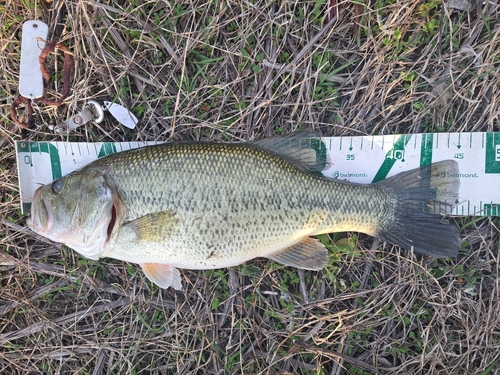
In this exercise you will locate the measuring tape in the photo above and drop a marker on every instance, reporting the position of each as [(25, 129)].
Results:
[(362, 159)]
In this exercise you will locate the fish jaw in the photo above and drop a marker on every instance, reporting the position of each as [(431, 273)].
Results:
[(41, 219)]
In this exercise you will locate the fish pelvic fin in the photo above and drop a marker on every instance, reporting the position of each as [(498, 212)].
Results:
[(163, 275), (308, 254), (422, 196)]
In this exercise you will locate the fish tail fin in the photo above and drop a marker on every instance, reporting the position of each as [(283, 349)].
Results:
[(423, 195)]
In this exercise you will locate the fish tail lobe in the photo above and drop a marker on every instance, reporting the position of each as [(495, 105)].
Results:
[(421, 197)]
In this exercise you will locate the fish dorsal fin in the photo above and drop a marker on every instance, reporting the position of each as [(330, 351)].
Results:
[(303, 149), (308, 254), (155, 226), (163, 275)]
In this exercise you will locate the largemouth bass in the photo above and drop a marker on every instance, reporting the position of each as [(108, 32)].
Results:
[(207, 206)]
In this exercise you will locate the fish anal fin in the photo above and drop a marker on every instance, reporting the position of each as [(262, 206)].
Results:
[(163, 275), (153, 227), (308, 254)]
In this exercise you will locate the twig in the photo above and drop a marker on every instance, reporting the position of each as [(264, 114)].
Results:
[(288, 69), (37, 327), (337, 355)]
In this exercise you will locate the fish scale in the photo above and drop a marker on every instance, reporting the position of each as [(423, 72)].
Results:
[(218, 206), (221, 192), (205, 206)]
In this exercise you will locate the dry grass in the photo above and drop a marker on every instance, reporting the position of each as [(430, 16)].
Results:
[(233, 70)]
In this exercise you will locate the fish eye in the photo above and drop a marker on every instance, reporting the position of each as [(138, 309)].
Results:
[(56, 186)]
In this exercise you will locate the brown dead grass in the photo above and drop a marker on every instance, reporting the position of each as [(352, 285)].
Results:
[(237, 70)]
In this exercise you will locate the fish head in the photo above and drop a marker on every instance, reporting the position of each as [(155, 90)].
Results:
[(80, 210)]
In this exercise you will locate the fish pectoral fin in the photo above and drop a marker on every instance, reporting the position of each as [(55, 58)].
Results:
[(153, 227), (308, 254), (163, 275)]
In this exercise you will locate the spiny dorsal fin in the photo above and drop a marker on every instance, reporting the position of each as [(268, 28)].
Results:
[(303, 149), (308, 254)]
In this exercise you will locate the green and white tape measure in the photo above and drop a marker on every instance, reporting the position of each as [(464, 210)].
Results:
[(362, 159)]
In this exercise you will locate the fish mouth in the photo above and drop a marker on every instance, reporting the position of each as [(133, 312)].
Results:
[(42, 217)]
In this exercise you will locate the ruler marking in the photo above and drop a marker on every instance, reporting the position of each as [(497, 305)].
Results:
[(492, 153), (391, 157), (426, 149), (55, 162)]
